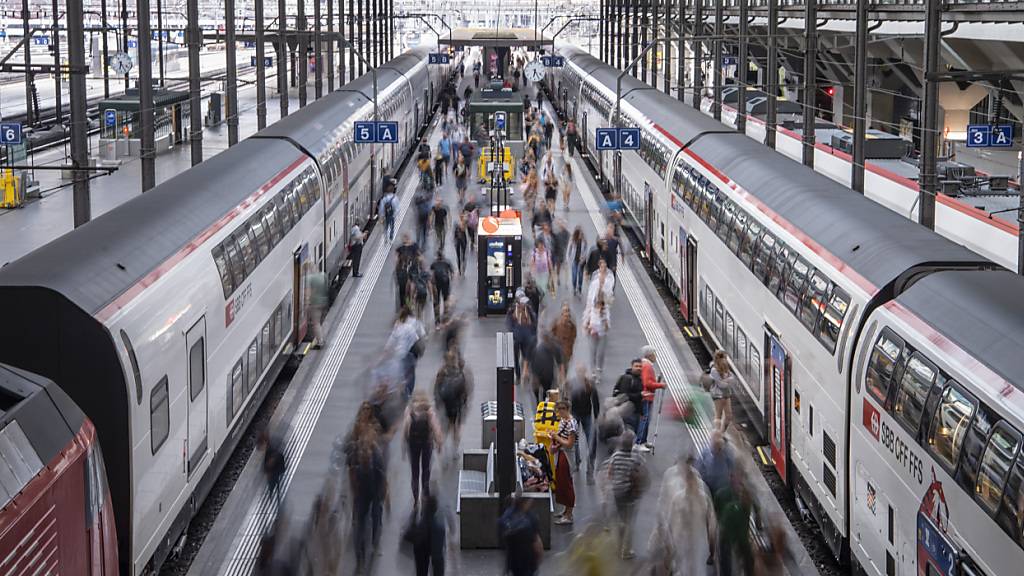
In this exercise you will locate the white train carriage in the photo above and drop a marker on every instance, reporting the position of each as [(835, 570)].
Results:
[(777, 263), (937, 417), (167, 318)]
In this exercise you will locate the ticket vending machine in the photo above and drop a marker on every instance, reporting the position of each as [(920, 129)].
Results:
[(499, 272)]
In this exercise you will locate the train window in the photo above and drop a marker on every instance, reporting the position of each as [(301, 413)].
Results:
[(284, 214), (719, 326), (274, 341), (197, 368), (265, 350), (778, 267), (291, 198), (814, 300), (884, 358), (950, 424), (832, 318), (236, 389), (226, 281), (252, 364), (689, 187), (304, 196), (739, 351), (764, 252), (134, 361), (725, 219), (281, 328), (796, 279), (258, 231), (245, 249), (754, 371), (999, 456), (750, 235), (914, 386), (714, 208), (234, 261), (729, 341), (253, 243), (273, 225), (1011, 513), (974, 444), (159, 415)]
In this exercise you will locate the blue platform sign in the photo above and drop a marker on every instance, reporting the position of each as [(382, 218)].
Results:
[(728, 60), (553, 61), (250, 44), (986, 136), (41, 40), (10, 134), (629, 138), (268, 61), (438, 58), (387, 132), (366, 133), (607, 139), (133, 43), (110, 118)]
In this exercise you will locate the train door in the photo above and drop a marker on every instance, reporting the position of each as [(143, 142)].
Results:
[(778, 364), (300, 276), (648, 222), (876, 526), (415, 118), (195, 348), (617, 175), (688, 274), (583, 135)]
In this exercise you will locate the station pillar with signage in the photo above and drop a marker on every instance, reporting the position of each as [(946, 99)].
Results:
[(499, 272)]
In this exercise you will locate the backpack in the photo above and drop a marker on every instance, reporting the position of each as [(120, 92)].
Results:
[(389, 210)]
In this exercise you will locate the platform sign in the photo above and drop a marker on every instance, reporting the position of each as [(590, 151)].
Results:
[(728, 60), (366, 133), (3, 33), (110, 118), (629, 138), (268, 61), (10, 134), (607, 139), (438, 58), (987, 136), (553, 61), (250, 44), (133, 43), (41, 40), (387, 132), (499, 121)]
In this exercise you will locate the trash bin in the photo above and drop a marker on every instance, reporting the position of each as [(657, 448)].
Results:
[(489, 417)]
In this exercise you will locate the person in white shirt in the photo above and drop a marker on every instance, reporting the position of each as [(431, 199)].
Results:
[(601, 284)]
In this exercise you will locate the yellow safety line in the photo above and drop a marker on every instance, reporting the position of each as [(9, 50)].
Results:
[(760, 452), (306, 351)]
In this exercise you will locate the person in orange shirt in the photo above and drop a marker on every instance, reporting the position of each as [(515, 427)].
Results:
[(651, 384)]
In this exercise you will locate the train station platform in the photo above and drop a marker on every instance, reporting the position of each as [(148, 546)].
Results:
[(320, 404)]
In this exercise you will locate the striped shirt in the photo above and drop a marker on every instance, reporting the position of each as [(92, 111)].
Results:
[(624, 468)]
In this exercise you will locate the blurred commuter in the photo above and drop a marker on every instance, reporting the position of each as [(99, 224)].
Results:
[(577, 259), (770, 561), (546, 366), (461, 178), (452, 389), (716, 462), (567, 186), (316, 285), (685, 523), (368, 479), (612, 247), (388, 209), (611, 423), (422, 435), (520, 533), (651, 384), (460, 235), (405, 344), (439, 218), (631, 387), (540, 266), (445, 149), (441, 282), (274, 463), (597, 324), (559, 245), (602, 285), (356, 239), (430, 530), (627, 480), (521, 321), (562, 442), (440, 166), (407, 254), (573, 137), (564, 331), (586, 409), (722, 381), (733, 507)]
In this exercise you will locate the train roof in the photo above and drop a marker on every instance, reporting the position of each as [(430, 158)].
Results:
[(315, 127), (95, 263), (877, 243), (981, 312), (37, 422)]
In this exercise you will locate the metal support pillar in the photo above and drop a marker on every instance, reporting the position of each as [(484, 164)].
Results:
[(742, 69), (655, 10), (634, 40), (302, 62), (147, 148), (602, 6), (194, 40), (318, 52), (773, 74), (230, 55), (30, 111), (261, 70), (352, 39), (668, 46), (105, 48), (375, 32), (810, 78), (79, 118), (930, 117), (160, 38), (505, 455), (860, 104), (342, 38), (716, 60), (623, 36), (1020, 213), (124, 36), (55, 42), (698, 53), (282, 56), (681, 52), (644, 26), (360, 37), (330, 46)]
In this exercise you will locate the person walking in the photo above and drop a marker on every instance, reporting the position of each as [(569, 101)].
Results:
[(367, 470), (630, 386), (460, 235), (274, 463), (567, 185), (564, 331), (559, 239), (586, 409), (441, 282), (439, 218), (422, 200), (520, 532), (540, 266), (722, 381), (562, 442), (602, 285), (546, 366), (429, 534), (597, 323), (404, 345), (388, 207), (422, 435), (521, 321), (452, 389), (461, 178), (627, 480), (439, 169), (445, 148), (573, 137), (316, 284), (356, 239), (578, 259), (651, 384)]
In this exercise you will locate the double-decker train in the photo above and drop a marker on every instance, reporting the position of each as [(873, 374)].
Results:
[(880, 361), (167, 318)]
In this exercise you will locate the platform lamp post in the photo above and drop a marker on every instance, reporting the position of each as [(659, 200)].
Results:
[(571, 20), (424, 17)]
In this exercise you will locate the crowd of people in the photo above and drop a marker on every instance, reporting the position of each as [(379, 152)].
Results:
[(605, 428)]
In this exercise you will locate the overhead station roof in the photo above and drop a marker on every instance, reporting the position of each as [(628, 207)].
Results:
[(495, 37)]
